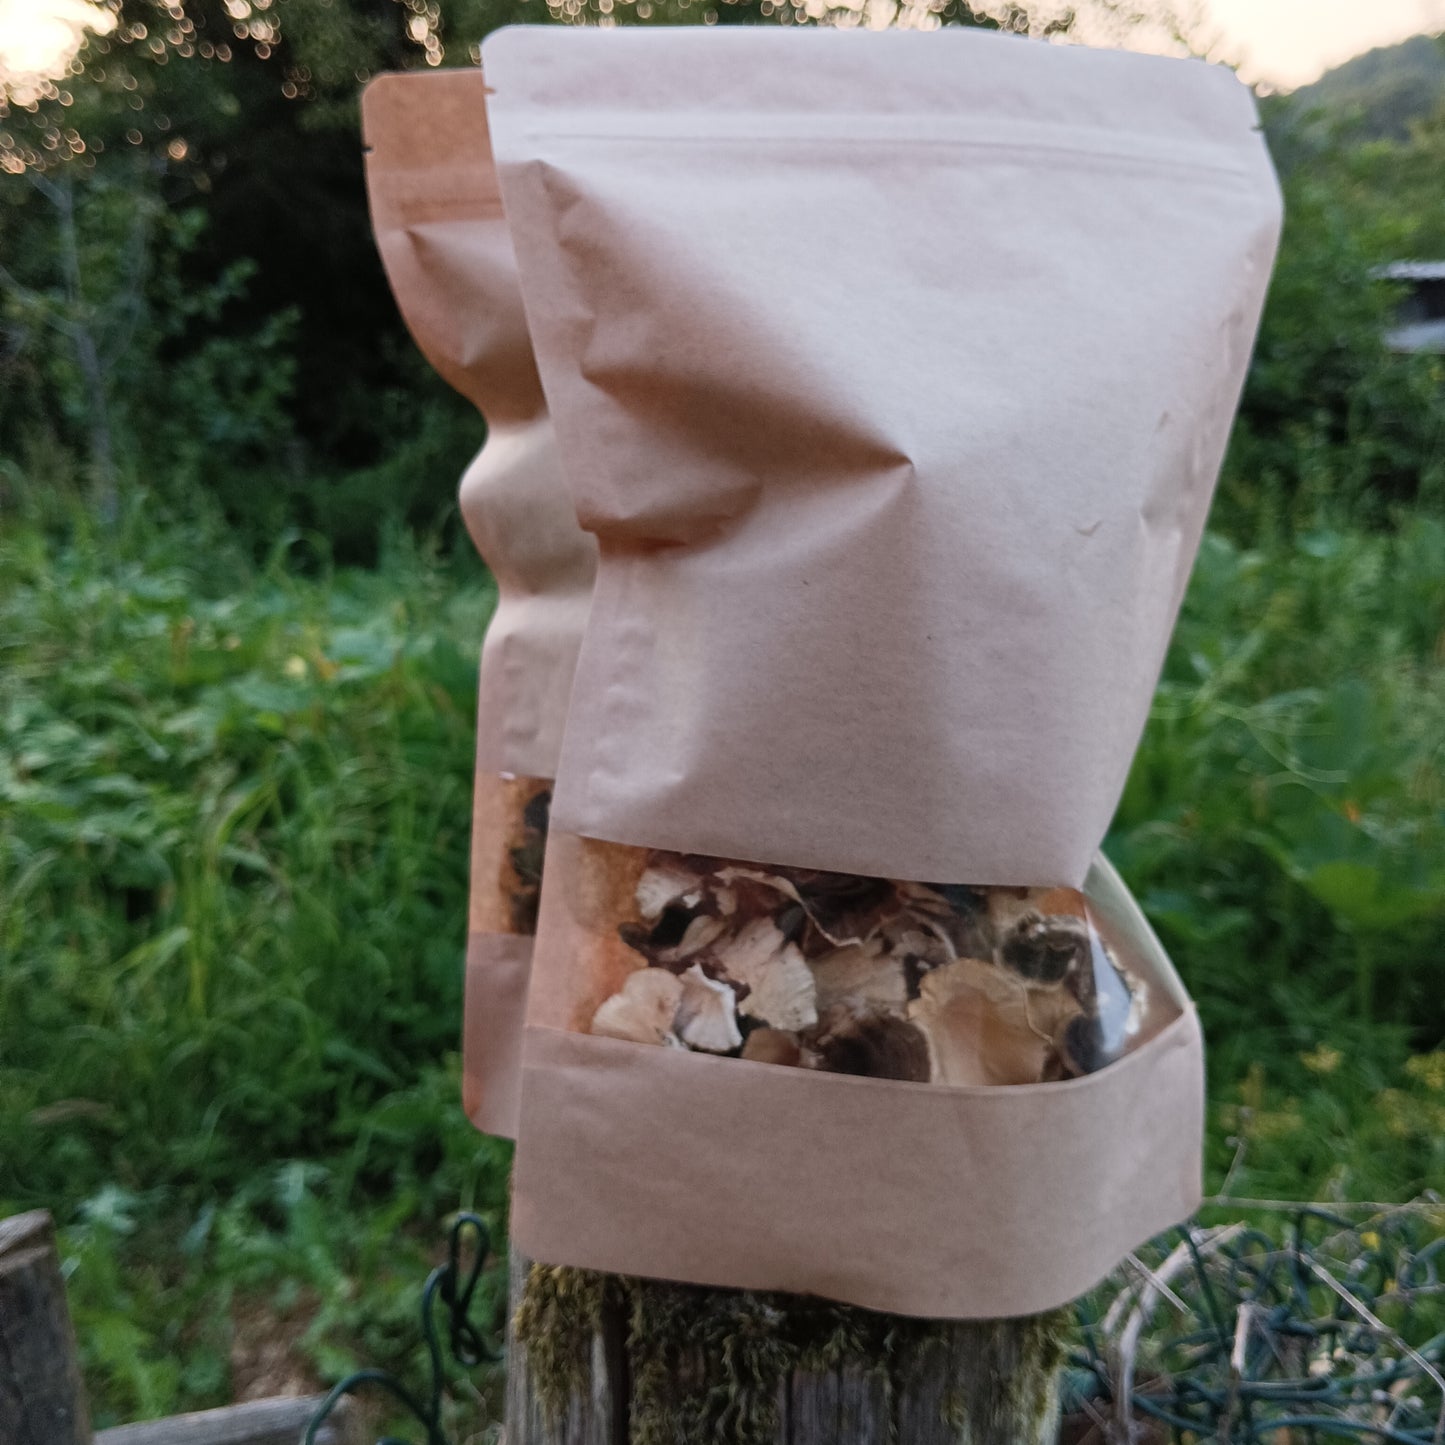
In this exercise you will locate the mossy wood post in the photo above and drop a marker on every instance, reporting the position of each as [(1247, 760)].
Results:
[(598, 1360), (42, 1399)]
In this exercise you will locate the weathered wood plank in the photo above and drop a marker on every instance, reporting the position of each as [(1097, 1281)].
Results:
[(847, 1404), (256, 1422), (981, 1383), (885, 1379), (42, 1397), (595, 1415)]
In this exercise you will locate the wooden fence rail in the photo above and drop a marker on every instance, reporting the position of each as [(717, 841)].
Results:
[(42, 1395)]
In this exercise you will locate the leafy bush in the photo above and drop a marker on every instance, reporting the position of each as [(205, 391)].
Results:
[(1334, 428), (1284, 825)]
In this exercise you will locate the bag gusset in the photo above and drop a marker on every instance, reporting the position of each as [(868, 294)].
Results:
[(448, 256)]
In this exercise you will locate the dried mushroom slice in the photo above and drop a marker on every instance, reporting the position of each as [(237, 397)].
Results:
[(957, 899), (706, 1016), (1050, 1009), (975, 1017), (644, 1011), (781, 993), (1081, 1047), (1007, 906), (677, 938), (758, 890), (665, 885), (847, 909), (699, 935), (743, 955), (864, 975), (953, 912), (842, 908), (918, 949)]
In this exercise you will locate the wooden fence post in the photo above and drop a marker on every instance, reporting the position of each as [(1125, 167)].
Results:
[(598, 1362), (42, 1398)]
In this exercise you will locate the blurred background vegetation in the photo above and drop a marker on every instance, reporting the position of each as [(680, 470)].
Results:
[(238, 633)]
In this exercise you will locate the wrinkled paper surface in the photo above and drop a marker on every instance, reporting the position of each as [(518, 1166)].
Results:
[(894, 372)]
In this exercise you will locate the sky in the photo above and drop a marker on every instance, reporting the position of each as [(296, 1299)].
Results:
[(1286, 43), (41, 37), (1283, 43)]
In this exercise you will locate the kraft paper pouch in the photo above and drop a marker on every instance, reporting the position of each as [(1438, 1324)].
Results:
[(893, 373), (448, 256)]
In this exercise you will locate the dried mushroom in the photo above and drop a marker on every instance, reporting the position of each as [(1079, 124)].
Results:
[(676, 938), (664, 886), (863, 973), (775, 1046), (749, 951), (925, 982), (878, 1046), (976, 1020), (781, 992), (707, 1014), (845, 909), (644, 1011)]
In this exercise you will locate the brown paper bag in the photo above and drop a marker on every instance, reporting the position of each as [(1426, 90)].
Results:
[(893, 372), (448, 256)]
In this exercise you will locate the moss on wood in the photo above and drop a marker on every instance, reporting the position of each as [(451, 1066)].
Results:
[(706, 1365), (559, 1314)]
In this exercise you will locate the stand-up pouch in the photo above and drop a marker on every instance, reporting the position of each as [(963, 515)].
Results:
[(893, 373), (448, 255)]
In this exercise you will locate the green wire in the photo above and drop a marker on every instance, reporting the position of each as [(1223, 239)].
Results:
[(466, 1342)]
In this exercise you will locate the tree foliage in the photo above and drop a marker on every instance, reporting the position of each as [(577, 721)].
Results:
[(1335, 427), (191, 297), (211, 147), (1381, 94)]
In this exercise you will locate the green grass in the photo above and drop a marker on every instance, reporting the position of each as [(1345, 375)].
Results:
[(233, 818), (233, 838)]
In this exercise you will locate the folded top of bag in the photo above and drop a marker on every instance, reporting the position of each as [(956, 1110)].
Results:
[(439, 225), (960, 81)]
